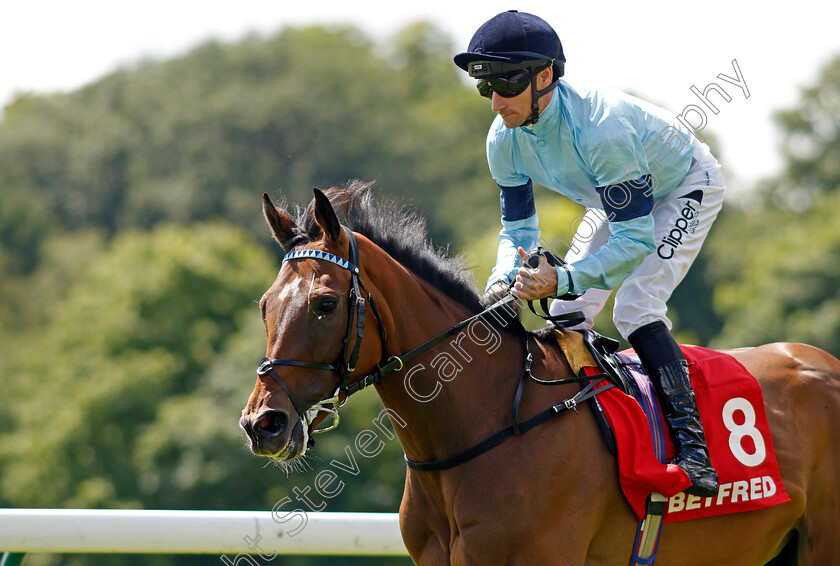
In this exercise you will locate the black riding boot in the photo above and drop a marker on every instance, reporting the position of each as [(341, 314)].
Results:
[(683, 418), (666, 365)]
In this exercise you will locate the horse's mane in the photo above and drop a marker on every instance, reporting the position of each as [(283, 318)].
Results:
[(402, 234)]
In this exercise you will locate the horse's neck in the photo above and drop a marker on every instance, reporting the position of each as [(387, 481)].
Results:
[(458, 392)]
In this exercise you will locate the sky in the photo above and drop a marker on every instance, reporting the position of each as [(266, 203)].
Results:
[(655, 49)]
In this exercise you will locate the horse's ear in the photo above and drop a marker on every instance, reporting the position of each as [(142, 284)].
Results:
[(282, 226), (326, 218)]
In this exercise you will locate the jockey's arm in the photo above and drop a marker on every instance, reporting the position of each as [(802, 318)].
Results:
[(632, 238), (520, 228), (630, 242), (628, 206)]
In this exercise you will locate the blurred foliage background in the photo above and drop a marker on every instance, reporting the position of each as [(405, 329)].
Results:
[(133, 251)]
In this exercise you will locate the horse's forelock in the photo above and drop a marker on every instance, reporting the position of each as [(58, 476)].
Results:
[(352, 202)]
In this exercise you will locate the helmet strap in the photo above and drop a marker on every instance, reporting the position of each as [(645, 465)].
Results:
[(536, 95)]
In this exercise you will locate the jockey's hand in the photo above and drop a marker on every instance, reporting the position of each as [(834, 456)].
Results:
[(533, 284), (497, 291)]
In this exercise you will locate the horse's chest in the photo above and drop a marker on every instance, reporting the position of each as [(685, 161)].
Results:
[(457, 536)]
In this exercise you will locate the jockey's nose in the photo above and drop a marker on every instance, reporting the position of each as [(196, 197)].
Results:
[(266, 427), (497, 103)]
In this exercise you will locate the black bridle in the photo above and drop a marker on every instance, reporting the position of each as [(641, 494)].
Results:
[(345, 367)]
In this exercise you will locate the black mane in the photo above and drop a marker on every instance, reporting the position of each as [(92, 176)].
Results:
[(400, 233)]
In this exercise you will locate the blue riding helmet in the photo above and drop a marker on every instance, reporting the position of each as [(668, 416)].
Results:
[(513, 37), (509, 42)]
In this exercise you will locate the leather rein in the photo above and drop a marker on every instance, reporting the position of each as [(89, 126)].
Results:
[(344, 366)]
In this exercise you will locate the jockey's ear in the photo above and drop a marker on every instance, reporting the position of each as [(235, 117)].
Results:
[(545, 77), (283, 228), (326, 218)]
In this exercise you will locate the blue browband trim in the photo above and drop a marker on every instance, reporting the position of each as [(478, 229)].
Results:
[(327, 256)]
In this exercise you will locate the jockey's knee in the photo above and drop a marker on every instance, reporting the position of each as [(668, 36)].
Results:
[(630, 316)]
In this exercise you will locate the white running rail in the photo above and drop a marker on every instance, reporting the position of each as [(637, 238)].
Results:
[(199, 532)]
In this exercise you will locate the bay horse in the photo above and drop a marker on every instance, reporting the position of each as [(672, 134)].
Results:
[(550, 496)]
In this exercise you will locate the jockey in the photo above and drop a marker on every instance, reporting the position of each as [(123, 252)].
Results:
[(651, 189)]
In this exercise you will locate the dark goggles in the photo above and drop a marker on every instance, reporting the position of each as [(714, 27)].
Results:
[(507, 86)]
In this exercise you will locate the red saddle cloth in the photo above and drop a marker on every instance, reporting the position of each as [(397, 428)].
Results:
[(732, 408)]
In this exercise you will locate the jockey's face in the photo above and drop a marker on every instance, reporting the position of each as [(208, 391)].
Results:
[(515, 110)]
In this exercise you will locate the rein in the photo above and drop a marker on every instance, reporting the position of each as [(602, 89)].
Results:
[(396, 363)]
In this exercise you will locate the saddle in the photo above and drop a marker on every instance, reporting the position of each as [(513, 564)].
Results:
[(731, 404), (588, 349), (653, 488)]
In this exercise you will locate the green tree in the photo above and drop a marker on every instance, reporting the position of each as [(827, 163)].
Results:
[(130, 395), (196, 137), (775, 260), (127, 344), (811, 143), (135, 334)]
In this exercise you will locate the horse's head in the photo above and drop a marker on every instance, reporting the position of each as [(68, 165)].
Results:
[(309, 315)]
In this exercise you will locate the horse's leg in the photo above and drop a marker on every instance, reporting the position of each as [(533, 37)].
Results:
[(819, 543), (424, 527), (802, 394), (548, 497), (788, 555)]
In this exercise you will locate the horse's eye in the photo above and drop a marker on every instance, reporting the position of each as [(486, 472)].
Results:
[(326, 306)]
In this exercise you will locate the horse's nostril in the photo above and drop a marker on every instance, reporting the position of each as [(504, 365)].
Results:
[(273, 423)]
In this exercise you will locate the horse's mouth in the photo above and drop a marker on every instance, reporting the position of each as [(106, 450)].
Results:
[(296, 445), (267, 432)]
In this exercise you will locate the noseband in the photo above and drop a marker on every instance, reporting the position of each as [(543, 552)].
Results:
[(343, 365)]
